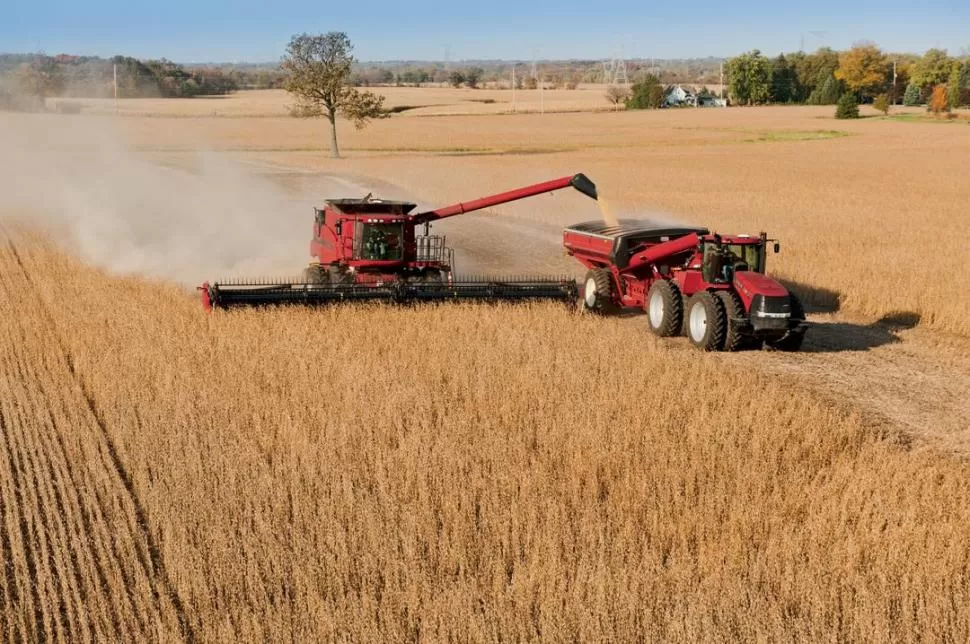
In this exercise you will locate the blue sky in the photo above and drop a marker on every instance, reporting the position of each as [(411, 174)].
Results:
[(257, 31)]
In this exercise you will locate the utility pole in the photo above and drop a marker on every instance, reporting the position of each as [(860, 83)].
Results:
[(513, 88), (542, 104), (894, 81), (115, 72), (722, 80)]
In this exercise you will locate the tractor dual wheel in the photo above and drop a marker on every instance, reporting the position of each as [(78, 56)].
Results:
[(665, 308), (792, 341), (734, 340), (706, 321), (598, 292)]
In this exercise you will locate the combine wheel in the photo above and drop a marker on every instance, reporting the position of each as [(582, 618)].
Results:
[(706, 324), (598, 291), (733, 311), (315, 274), (665, 308), (792, 341)]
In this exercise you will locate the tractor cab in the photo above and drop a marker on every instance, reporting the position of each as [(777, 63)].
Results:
[(722, 256)]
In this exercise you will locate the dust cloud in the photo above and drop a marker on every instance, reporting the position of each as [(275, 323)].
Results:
[(202, 218)]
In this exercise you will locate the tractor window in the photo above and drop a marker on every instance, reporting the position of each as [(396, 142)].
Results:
[(382, 242), (750, 254)]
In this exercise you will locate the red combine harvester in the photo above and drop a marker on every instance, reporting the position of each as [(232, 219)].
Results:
[(710, 287), (368, 249)]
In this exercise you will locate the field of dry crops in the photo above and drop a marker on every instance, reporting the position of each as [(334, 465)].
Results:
[(481, 473)]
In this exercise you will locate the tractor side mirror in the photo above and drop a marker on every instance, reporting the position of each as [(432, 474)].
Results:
[(777, 248), (339, 227)]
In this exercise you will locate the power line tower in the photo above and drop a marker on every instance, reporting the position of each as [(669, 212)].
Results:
[(614, 70)]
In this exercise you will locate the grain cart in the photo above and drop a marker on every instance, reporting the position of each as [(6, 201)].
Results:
[(370, 250), (710, 287)]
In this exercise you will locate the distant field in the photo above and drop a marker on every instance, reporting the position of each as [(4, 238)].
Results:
[(426, 101)]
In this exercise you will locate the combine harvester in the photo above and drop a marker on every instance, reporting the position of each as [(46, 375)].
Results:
[(369, 250), (710, 287)]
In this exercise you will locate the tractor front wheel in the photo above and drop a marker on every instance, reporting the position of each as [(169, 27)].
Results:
[(665, 308), (706, 322), (598, 291), (733, 312)]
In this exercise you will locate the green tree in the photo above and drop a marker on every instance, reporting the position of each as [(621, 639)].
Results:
[(932, 69), (647, 94), (953, 86), (848, 107), (912, 96), (784, 81), (827, 91), (749, 78), (457, 79), (965, 82), (318, 73), (812, 70), (864, 69)]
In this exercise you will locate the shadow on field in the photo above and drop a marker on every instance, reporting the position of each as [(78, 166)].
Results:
[(833, 337), (815, 299)]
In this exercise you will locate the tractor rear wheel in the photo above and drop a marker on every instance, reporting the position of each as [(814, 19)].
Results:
[(706, 323), (792, 341), (315, 274), (598, 291), (733, 312), (665, 308)]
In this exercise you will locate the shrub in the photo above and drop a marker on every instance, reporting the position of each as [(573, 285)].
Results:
[(939, 103), (911, 98), (882, 103), (847, 107), (647, 94)]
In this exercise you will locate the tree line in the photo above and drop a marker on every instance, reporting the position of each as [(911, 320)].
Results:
[(27, 79), (864, 71)]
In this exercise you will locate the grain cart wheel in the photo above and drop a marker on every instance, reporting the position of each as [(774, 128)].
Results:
[(598, 291), (665, 308), (315, 274), (791, 341), (706, 324), (733, 312)]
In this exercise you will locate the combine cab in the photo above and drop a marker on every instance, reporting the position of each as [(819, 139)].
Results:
[(710, 287), (369, 249)]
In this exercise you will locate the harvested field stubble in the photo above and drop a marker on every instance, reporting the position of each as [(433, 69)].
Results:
[(479, 472)]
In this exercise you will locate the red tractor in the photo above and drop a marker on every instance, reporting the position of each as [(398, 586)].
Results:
[(710, 287), (369, 249)]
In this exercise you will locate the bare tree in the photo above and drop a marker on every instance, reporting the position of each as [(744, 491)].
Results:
[(318, 74), (616, 94)]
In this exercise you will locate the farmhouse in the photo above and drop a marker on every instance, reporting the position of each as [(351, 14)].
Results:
[(679, 96)]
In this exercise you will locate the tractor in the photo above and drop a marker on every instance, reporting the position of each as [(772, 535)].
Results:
[(710, 287)]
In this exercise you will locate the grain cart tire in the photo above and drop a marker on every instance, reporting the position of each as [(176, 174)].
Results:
[(664, 308), (706, 323), (598, 292), (316, 274), (792, 341), (733, 310)]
